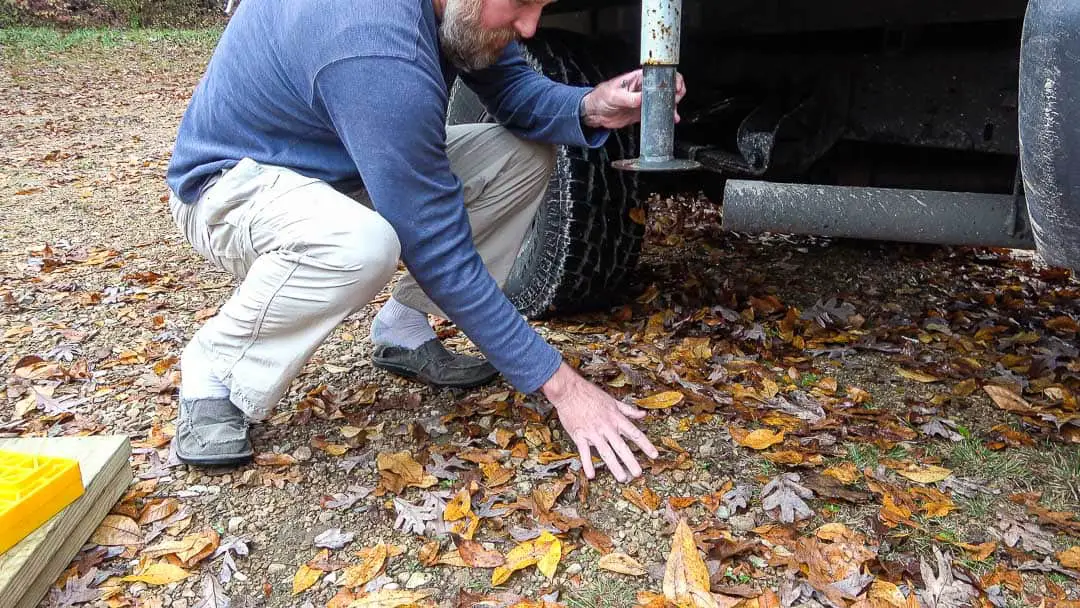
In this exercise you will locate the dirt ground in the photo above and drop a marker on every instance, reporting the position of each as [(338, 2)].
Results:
[(930, 407)]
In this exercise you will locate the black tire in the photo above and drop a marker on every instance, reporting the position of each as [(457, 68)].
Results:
[(1049, 140), (583, 245)]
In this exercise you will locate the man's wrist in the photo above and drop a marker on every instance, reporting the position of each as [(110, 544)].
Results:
[(555, 388), (587, 112)]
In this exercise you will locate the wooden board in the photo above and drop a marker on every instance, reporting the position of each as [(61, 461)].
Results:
[(28, 569)]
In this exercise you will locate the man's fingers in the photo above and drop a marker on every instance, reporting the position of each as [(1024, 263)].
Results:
[(630, 411), (640, 439), (625, 454), (610, 459), (586, 457)]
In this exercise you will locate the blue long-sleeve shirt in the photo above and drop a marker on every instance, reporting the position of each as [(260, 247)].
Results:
[(356, 92)]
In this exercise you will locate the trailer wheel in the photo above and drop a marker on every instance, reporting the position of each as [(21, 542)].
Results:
[(1049, 140), (585, 241)]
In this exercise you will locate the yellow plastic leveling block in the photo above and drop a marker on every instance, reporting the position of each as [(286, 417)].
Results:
[(33, 488)]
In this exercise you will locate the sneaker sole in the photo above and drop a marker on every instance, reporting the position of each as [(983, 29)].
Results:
[(412, 375), (213, 461)]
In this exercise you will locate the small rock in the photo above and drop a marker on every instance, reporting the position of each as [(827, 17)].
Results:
[(707, 450), (722, 512), (743, 523), (631, 548), (133, 413), (325, 516), (679, 476), (573, 569), (622, 505), (181, 603), (404, 576), (234, 524), (392, 586), (276, 568), (302, 453), (214, 489), (417, 579)]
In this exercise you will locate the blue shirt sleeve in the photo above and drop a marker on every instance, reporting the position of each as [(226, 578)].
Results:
[(532, 105), (390, 116)]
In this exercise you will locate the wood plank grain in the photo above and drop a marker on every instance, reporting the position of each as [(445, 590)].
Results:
[(31, 566)]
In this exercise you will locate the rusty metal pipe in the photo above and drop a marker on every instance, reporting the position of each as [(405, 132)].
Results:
[(661, 30)]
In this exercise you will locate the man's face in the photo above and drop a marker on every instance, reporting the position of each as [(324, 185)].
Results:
[(474, 33)]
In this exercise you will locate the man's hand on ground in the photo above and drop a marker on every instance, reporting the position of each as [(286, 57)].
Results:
[(616, 103), (593, 418)]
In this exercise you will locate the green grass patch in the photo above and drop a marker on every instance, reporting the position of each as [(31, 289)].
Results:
[(863, 455), (603, 591), (42, 40), (971, 458), (1054, 469)]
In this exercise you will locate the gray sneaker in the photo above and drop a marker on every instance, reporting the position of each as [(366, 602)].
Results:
[(212, 432)]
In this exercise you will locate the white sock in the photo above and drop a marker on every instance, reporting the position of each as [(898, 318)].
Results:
[(399, 325), (198, 381)]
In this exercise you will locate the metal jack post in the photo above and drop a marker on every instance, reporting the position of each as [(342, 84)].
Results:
[(660, 32)]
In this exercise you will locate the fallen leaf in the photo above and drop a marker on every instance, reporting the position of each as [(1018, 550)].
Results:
[(928, 474), (389, 598), (598, 540), (304, 578), (883, 593), (549, 561), (213, 594), (400, 471), (647, 500), (944, 590), (686, 578), (371, 564), (527, 554), (160, 573), (475, 555), (759, 439), (1008, 400), (428, 553), (621, 563), (271, 459), (845, 473), (116, 530), (1070, 558), (917, 375), (158, 509), (661, 401), (980, 551), (458, 506), (1027, 534), (495, 475), (785, 493), (334, 538)]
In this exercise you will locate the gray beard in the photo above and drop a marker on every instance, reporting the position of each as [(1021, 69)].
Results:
[(465, 45)]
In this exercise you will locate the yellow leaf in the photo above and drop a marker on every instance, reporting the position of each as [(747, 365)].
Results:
[(161, 573), (495, 474), (550, 560), (930, 474), (917, 375), (527, 554), (389, 598), (965, 388), (458, 506), (884, 593), (453, 558), (980, 551), (1070, 558), (372, 560), (686, 578), (845, 473), (661, 401), (304, 578), (758, 440), (637, 214), (621, 563)]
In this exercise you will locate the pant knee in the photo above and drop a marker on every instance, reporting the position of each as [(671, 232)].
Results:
[(369, 248)]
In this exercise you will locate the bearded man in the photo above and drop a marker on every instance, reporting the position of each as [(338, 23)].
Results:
[(304, 104)]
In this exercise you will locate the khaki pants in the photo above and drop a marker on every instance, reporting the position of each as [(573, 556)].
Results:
[(309, 256)]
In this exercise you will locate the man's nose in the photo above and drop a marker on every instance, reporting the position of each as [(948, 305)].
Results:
[(526, 25)]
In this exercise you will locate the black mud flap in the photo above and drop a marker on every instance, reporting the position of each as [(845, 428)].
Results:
[(1050, 127)]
